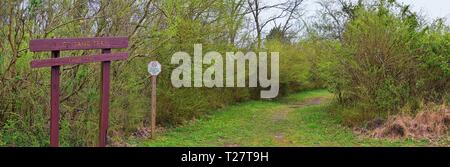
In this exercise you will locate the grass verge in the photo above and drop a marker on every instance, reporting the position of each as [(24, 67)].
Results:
[(292, 121)]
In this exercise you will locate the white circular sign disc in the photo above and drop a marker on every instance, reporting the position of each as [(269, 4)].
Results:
[(154, 68)]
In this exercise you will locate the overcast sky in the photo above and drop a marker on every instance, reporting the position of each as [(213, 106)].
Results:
[(432, 9)]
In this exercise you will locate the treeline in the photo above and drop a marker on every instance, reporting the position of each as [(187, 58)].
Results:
[(377, 57), (387, 60), (156, 30)]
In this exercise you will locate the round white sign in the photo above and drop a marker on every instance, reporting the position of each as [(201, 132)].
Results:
[(154, 68)]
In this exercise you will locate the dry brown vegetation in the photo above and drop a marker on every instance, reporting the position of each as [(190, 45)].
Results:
[(431, 124)]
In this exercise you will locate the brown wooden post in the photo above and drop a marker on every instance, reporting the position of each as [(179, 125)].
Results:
[(104, 100), (153, 120), (54, 103), (154, 68), (58, 44)]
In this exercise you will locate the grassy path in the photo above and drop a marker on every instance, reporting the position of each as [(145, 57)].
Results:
[(298, 120)]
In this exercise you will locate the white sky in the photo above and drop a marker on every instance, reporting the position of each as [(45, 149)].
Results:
[(432, 9)]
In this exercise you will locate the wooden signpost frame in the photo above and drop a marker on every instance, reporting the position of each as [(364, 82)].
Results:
[(55, 46)]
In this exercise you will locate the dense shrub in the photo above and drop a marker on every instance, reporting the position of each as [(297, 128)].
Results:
[(305, 64), (385, 62), (388, 62), (156, 30)]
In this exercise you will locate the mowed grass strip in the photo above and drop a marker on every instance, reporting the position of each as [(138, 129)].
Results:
[(292, 121)]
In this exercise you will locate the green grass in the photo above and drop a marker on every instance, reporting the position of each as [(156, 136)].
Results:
[(270, 123), (308, 95)]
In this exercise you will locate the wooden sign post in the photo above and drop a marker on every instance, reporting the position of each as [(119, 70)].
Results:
[(57, 45), (154, 68)]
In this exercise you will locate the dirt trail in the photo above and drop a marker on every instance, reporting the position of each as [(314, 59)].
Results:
[(309, 102), (282, 113), (298, 120)]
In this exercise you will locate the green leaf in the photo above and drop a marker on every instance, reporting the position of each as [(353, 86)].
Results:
[(1, 63)]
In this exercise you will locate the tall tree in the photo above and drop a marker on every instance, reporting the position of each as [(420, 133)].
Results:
[(288, 10)]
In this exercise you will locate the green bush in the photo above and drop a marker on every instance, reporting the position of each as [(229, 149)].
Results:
[(387, 61), (175, 26), (303, 64)]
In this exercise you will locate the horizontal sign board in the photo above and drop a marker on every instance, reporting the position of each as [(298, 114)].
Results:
[(78, 60), (41, 45)]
